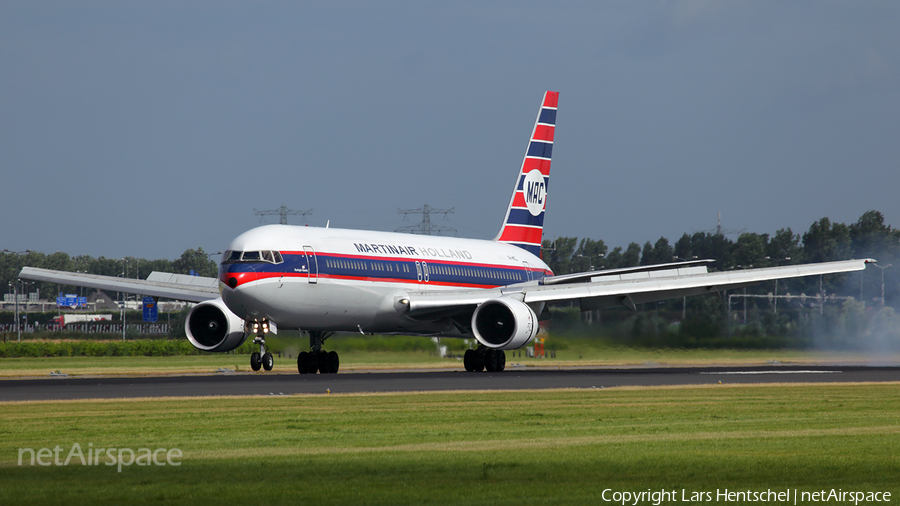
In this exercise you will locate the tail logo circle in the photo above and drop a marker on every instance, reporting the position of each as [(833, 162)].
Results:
[(535, 191)]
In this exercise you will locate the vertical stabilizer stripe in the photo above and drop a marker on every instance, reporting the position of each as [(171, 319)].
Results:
[(524, 220), (551, 98), (543, 133)]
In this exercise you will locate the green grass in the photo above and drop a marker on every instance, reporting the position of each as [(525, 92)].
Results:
[(576, 354), (81, 366), (544, 447)]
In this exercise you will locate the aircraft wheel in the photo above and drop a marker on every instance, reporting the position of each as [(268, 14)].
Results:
[(474, 360), (255, 363), (322, 362), (492, 360), (469, 360), (312, 362), (501, 362), (302, 359), (334, 362), (268, 361)]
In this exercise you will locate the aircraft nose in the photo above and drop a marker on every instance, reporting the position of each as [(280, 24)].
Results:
[(239, 275), (240, 296)]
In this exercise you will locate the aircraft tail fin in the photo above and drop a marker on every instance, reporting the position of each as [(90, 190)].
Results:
[(524, 222)]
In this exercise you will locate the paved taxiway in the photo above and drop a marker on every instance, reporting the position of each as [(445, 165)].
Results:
[(511, 379)]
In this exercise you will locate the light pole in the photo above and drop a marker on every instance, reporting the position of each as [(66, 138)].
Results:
[(882, 281), (676, 258), (15, 288), (123, 300), (775, 303), (589, 257), (210, 255), (590, 314), (16, 294)]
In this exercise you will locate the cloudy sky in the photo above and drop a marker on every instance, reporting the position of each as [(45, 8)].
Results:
[(146, 128)]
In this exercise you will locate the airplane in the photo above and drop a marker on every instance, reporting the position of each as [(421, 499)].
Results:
[(327, 280)]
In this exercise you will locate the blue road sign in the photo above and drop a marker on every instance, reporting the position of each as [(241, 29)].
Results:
[(151, 313), (70, 300)]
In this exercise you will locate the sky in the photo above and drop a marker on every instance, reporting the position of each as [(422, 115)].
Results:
[(146, 128)]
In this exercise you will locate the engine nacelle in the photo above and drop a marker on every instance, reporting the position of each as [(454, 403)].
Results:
[(504, 323), (211, 326)]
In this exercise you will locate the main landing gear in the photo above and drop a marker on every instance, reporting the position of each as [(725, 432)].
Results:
[(317, 359), (262, 358), (484, 359)]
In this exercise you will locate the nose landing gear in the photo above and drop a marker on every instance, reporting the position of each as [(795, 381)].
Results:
[(261, 359)]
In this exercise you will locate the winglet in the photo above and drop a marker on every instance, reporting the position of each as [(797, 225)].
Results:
[(524, 222)]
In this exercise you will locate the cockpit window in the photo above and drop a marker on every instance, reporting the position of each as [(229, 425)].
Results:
[(268, 256)]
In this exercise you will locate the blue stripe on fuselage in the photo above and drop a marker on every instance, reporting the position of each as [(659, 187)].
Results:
[(390, 270)]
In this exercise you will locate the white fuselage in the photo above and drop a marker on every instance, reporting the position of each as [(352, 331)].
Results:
[(328, 279)]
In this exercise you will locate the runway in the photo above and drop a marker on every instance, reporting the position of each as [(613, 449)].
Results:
[(354, 382)]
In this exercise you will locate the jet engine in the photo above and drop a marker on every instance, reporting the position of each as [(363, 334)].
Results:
[(211, 326), (504, 323)]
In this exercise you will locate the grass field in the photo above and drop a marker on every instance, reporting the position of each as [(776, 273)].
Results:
[(576, 355), (532, 447)]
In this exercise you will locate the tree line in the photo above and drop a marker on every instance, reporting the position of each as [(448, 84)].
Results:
[(694, 321), (824, 241), (868, 237), (192, 260)]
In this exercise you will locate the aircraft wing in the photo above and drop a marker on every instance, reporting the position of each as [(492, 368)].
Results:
[(158, 284), (607, 289)]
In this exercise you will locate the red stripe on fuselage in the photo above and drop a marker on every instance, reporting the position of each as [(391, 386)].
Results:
[(242, 278), (430, 260)]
